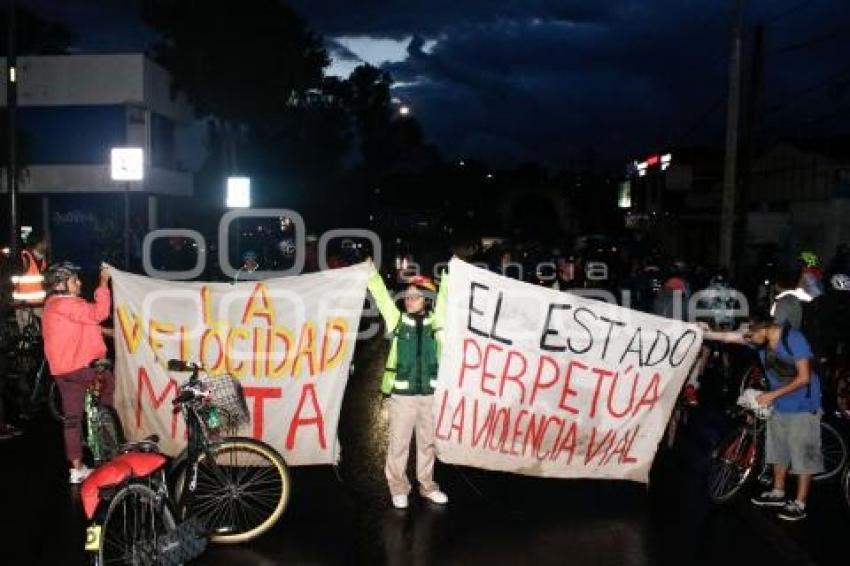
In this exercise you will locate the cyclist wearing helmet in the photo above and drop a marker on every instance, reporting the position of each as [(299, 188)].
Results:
[(409, 380), (72, 340), (811, 275)]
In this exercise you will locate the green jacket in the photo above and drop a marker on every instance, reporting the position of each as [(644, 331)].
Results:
[(412, 364)]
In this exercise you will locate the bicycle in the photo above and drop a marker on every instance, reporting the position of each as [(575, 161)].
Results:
[(238, 487), (25, 362), (740, 456), (132, 514), (102, 432)]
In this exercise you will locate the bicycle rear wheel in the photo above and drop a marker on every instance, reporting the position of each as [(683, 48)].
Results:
[(110, 435), (845, 486), (242, 490), (135, 519), (834, 450), (732, 463)]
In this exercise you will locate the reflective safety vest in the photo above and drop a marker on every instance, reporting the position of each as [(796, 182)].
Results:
[(412, 364), (29, 287)]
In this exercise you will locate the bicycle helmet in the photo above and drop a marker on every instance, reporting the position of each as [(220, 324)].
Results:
[(840, 282), (59, 273), (423, 283), (809, 258), (249, 255)]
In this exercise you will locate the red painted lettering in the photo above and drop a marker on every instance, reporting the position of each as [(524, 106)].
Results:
[(308, 391), (260, 394)]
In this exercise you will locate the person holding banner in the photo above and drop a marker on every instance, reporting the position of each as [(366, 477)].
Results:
[(793, 428), (409, 380), (72, 340)]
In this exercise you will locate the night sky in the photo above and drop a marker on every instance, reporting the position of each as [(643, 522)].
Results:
[(565, 82)]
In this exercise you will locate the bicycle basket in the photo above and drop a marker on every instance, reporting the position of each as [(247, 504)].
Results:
[(227, 397)]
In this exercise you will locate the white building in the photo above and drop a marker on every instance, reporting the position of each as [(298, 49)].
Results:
[(72, 110)]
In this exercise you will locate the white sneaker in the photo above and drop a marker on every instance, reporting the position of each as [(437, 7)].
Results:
[(437, 497), (400, 501), (78, 475)]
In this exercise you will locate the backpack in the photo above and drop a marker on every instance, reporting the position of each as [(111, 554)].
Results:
[(786, 330), (813, 329)]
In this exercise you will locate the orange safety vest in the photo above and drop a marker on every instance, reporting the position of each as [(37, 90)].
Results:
[(29, 287)]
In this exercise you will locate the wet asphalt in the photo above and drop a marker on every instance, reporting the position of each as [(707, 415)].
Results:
[(342, 515)]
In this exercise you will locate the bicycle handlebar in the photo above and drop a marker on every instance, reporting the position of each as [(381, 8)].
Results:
[(180, 365)]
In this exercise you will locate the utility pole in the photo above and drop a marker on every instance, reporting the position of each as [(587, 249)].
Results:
[(727, 219), (750, 128), (11, 108)]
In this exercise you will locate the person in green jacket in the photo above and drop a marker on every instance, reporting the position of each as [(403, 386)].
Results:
[(409, 379)]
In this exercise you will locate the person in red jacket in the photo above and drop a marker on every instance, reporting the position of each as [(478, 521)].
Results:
[(72, 340)]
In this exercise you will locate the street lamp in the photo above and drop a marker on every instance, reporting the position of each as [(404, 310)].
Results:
[(128, 164), (404, 110), (238, 192)]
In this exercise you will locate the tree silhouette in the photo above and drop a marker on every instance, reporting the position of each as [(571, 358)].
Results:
[(34, 35), (239, 64)]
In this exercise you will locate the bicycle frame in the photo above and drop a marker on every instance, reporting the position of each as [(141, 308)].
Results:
[(91, 411), (198, 444)]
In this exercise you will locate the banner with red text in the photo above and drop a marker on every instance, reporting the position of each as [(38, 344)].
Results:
[(545, 383), (289, 341)]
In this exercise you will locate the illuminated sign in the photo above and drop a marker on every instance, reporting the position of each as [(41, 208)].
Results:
[(652, 161), (625, 195)]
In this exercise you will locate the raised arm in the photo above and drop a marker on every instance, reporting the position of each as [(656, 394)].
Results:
[(383, 300), (726, 337), (440, 306)]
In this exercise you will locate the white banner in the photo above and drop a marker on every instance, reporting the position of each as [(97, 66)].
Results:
[(289, 341), (544, 383)]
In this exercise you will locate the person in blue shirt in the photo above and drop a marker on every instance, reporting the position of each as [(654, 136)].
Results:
[(793, 442)]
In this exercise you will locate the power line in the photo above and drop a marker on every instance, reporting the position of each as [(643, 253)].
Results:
[(795, 96), (810, 42), (716, 105), (790, 11), (840, 112)]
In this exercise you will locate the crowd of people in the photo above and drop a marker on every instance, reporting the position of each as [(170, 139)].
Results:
[(797, 321)]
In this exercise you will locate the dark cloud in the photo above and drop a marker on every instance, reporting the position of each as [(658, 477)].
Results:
[(400, 18), (340, 51), (556, 79), (553, 80)]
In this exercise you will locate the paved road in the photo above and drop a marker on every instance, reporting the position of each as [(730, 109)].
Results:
[(342, 516)]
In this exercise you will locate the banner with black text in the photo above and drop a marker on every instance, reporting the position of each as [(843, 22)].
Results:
[(546, 383)]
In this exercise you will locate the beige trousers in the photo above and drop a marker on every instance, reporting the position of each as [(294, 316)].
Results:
[(409, 413)]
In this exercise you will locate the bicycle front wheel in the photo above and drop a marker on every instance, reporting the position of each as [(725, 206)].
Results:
[(732, 464), (834, 450), (242, 490), (845, 486), (135, 520)]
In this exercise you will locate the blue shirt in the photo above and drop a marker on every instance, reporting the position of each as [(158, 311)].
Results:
[(804, 399)]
